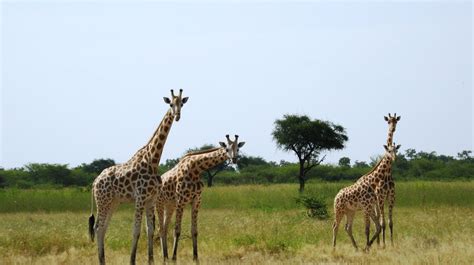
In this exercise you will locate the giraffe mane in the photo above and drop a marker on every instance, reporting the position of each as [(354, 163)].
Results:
[(373, 169), (156, 131), (200, 152)]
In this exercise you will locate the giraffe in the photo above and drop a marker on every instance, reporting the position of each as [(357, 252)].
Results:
[(182, 185), (392, 124), (137, 181), (363, 195)]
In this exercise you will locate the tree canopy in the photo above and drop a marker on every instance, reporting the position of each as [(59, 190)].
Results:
[(308, 138)]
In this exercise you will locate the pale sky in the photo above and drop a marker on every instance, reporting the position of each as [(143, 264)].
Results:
[(84, 80)]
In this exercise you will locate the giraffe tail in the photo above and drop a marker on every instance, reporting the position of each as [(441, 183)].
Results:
[(92, 218)]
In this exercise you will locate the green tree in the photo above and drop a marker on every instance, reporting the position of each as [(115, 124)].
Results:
[(98, 165), (465, 155), (169, 164), (307, 139), (245, 161), (345, 162), (49, 173), (410, 153), (360, 164)]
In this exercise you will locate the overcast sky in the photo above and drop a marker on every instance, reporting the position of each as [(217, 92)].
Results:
[(85, 80)]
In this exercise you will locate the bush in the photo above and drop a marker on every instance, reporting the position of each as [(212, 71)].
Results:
[(315, 206)]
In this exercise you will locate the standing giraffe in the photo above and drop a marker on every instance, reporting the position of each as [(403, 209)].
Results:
[(363, 195), (182, 185), (392, 124), (135, 181)]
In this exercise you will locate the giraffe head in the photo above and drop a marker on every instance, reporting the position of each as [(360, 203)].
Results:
[(392, 120), (391, 151), (176, 103), (232, 148)]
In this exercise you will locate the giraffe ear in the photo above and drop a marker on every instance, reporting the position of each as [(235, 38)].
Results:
[(398, 146), (222, 144), (241, 144), (167, 100), (386, 148), (385, 117), (399, 118), (184, 100)]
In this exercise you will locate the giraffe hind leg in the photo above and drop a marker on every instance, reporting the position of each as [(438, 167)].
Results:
[(348, 228), (335, 226), (104, 213), (139, 207), (150, 221)]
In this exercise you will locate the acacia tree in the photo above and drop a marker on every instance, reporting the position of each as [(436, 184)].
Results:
[(308, 139)]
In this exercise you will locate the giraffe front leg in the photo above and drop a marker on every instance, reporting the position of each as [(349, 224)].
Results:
[(177, 229), (382, 223), (194, 232), (139, 207), (391, 203), (150, 221), (377, 225)]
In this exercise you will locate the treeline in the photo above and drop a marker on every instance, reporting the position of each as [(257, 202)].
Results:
[(255, 170), (408, 166), (41, 175)]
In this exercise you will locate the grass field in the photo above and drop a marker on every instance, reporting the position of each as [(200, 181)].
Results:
[(245, 225)]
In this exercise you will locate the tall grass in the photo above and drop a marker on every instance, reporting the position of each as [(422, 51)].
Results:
[(245, 197)]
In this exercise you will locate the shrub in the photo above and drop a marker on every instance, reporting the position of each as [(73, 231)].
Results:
[(315, 206)]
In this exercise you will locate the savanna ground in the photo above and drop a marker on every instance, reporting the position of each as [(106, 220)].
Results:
[(433, 224)]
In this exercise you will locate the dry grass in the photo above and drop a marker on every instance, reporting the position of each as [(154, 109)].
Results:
[(429, 236), (259, 230)]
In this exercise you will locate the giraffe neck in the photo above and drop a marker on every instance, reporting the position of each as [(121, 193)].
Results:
[(154, 147), (386, 161), (383, 168), (391, 131), (206, 161)]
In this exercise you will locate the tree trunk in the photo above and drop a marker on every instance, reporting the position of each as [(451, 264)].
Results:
[(301, 176), (209, 179), (301, 185)]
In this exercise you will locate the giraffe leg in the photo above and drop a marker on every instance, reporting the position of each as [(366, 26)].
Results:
[(104, 213), (177, 229), (335, 225), (168, 213), (382, 223), (150, 221), (391, 203), (139, 207), (367, 215), (350, 219), (194, 232), (375, 220), (160, 212), (371, 215)]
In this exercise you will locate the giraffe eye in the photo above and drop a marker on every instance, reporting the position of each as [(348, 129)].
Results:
[(171, 105)]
